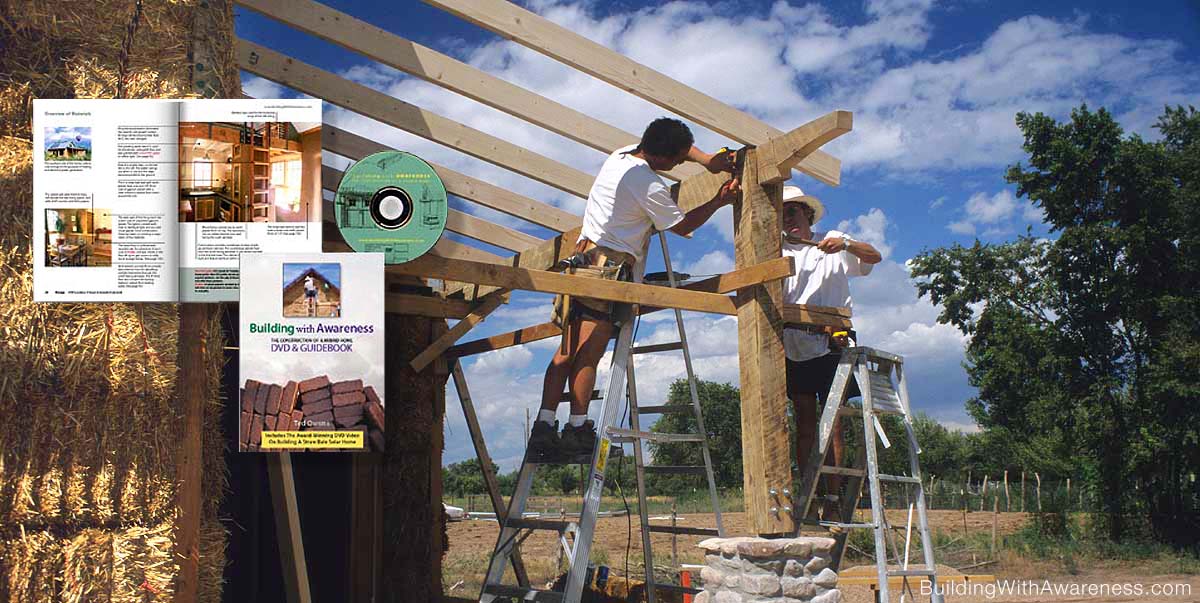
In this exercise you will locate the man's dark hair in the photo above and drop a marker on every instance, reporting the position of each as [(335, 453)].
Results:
[(666, 137)]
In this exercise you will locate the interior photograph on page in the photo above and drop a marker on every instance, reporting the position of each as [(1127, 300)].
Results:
[(249, 172), (78, 237)]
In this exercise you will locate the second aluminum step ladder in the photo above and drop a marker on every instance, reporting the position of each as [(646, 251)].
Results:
[(880, 377), (621, 386)]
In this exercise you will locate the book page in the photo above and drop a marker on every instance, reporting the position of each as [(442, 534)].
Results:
[(311, 352), (104, 176), (249, 182)]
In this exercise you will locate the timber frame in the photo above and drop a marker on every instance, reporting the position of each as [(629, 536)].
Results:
[(464, 282)]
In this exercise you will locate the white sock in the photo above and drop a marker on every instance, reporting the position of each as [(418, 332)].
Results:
[(577, 420), (546, 416)]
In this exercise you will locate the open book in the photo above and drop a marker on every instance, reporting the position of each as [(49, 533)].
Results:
[(154, 200)]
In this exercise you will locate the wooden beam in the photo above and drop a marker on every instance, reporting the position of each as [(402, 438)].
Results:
[(267, 63), (190, 394), (793, 314), (698, 189), (791, 148), (426, 305), (545, 330), (552, 282), (766, 458), (456, 221), (353, 146), (485, 464), (771, 270), (444, 248), (449, 73), (287, 527), (456, 332), (537, 33)]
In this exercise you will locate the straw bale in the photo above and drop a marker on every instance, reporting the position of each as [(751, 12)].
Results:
[(88, 440)]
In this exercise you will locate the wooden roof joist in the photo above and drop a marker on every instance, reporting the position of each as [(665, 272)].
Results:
[(456, 221), (507, 277), (353, 146), (267, 63), (449, 73), (537, 33)]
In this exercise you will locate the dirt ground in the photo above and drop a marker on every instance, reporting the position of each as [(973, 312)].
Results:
[(471, 543)]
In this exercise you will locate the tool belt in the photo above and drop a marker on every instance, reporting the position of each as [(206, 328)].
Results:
[(593, 261), (835, 343)]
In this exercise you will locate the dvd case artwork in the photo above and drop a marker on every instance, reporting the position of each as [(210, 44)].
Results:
[(311, 358)]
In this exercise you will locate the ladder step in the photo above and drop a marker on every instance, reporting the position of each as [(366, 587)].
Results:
[(524, 594), (683, 530), (554, 525), (675, 588), (848, 526), (849, 411), (579, 459), (677, 469), (658, 347), (847, 471), (622, 435), (921, 571), (899, 478), (668, 408), (566, 396)]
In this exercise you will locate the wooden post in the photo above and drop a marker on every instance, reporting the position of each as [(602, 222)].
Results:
[(1022, 491), (983, 493), (190, 392), (674, 538), (287, 527), (1039, 491), (995, 516), (1067, 500), (766, 462), (1006, 501)]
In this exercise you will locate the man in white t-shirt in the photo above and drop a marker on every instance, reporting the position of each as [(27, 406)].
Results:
[(627, 201), (822, 278), (310, 295)]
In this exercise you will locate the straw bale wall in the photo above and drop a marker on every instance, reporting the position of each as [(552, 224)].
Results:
[(89, 426)]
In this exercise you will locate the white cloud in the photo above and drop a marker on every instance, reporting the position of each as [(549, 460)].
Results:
[(713, 262), (870, 227), (963, 426), (258, 87), (995, 215)]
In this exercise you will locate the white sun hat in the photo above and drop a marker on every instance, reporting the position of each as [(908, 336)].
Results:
[(793, 194)]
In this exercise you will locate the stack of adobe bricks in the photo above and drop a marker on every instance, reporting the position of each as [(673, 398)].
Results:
[(314, 404)]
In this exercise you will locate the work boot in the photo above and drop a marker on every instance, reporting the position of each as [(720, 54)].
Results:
[(544, 442), (578, 441)]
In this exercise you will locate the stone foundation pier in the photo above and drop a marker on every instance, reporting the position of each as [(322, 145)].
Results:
[(760, 570)]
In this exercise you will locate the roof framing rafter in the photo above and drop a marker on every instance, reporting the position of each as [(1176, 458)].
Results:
[(542, 35)]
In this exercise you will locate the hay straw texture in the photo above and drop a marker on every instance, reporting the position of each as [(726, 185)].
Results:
[(89, 423)]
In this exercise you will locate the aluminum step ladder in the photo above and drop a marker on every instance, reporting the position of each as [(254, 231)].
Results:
[(636, 436), (881, 379), (621, 387)]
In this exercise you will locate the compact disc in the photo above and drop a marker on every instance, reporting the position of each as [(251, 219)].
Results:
[(391, 202)]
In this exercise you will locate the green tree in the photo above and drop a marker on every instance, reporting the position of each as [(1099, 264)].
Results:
[(464, 477), (722, 408), (1079, 346)]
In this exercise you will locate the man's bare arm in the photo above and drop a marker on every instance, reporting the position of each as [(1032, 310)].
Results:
[(697, 217)]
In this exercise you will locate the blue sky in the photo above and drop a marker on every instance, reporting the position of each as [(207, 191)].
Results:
[(79, 136), (934, 87), (331, 272)]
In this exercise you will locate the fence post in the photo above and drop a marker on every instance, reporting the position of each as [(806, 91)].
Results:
[(983, 493), (1039, 490), (1022, 491), (1007, 506), (995, 515)]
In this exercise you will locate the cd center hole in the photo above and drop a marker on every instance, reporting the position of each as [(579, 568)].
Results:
[(391, 207)]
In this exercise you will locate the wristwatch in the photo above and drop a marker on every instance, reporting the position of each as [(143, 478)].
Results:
[(845, 243)]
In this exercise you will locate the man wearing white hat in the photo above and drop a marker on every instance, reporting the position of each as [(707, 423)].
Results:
[(825, 261)]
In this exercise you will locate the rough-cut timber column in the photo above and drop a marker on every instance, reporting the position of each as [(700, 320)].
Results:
[(766, 463)]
